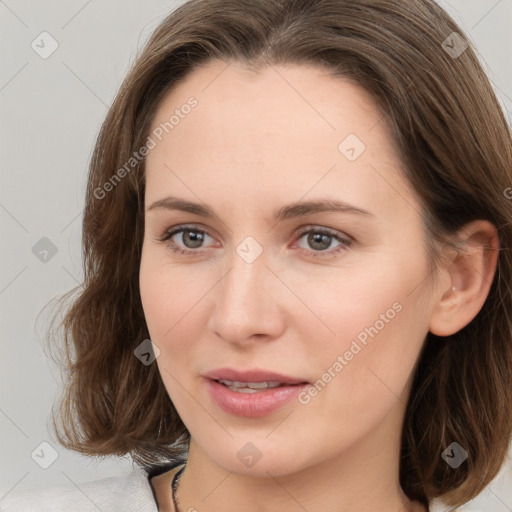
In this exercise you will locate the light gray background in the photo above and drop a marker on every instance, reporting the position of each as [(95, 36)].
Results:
[(51, 110)]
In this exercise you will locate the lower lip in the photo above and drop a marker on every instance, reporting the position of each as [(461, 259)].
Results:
[(252, 405)]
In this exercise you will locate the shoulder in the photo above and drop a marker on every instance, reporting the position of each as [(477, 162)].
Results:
[(437, 505), (127, 492)]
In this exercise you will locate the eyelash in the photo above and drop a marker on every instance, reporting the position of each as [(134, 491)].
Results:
[(345, 243)]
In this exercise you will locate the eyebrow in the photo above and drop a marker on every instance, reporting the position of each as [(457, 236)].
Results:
[(289, 211)]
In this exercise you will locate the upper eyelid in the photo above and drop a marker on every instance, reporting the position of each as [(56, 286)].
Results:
[(179, 228)]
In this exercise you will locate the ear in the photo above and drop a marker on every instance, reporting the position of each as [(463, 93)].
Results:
[(471, 272)]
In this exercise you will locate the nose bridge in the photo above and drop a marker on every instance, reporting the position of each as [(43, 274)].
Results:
[(243, 304)]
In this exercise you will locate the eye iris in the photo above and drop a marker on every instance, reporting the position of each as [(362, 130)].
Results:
[(193, 237), (319, 238)]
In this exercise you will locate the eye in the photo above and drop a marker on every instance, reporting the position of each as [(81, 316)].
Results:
[(189, 236), (190, 240), (321, 239)]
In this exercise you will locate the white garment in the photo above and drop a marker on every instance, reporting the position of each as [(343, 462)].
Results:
[(129, 493)]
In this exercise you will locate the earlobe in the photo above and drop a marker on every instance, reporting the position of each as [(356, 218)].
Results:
[(471, 271)]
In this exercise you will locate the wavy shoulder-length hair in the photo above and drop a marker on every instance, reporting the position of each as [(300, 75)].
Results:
[(457, 152)]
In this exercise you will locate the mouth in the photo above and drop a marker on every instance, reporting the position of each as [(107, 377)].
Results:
[(253, 393)]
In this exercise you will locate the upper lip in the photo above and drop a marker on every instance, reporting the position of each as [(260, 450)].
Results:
[(256, 375)]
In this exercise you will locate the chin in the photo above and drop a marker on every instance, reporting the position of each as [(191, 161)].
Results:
[(259, 458)]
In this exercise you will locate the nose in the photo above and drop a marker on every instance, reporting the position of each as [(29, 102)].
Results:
[(248, 303)]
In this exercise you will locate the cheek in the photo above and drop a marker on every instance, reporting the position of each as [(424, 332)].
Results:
[(153, 296), (348, 300), (167, 292), (165, 306), (173, 300), (370, 326)]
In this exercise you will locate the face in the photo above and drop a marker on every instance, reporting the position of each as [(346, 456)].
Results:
[(303, 256)]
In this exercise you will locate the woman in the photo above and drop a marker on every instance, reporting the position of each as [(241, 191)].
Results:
[(296, 267)]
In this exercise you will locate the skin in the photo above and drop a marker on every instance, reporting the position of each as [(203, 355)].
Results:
[(255, 142)]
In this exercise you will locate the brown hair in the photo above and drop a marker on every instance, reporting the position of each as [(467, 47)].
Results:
[(457, 153)]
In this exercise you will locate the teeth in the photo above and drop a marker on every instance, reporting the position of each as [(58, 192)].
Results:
[(249, 387), (243, 390)]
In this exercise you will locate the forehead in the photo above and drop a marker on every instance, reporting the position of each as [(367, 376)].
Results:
[(290, 96), (285, 126)]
